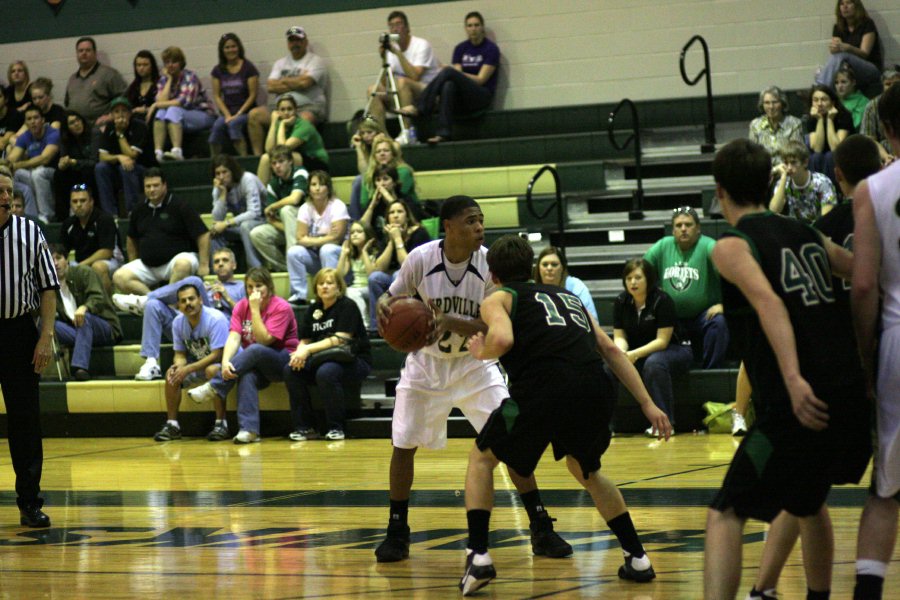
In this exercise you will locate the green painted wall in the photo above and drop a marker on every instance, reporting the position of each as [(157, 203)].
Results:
[(95, 17)]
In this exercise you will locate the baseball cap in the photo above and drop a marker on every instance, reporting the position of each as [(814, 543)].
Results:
[(119, 100), (296, 31)]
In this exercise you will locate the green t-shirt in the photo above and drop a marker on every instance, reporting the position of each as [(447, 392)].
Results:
[(690, 278), (312, 142), (856, 104), (282, 188), (407, 188)]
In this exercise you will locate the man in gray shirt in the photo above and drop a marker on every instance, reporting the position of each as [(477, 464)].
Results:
[(93, 85)]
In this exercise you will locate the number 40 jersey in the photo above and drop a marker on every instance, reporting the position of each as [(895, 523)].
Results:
[(457, 288), (794, 260)]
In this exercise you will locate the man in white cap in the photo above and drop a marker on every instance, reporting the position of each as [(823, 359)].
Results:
[(302, 74)]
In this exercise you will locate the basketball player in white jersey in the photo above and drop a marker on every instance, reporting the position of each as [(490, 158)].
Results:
[(453, 275), (876, 264)]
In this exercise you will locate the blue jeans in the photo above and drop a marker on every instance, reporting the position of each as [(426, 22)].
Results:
[(456, 94), (711, 335), (823, 162), (302, 260), (241, 233), (159, 314), (379, 282), (354, 208), (256, 366), (234, 130), (657, 371), (109, 176), (330, 378), (866, 72), (95, 331), (191, 119)]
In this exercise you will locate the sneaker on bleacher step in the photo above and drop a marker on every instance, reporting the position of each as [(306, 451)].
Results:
[(479, 572), (246, 437), (408, 137), (174, 154), (168, 433), (130, 303), (738, 424), (202, 394), (149, 371), (335, 435)]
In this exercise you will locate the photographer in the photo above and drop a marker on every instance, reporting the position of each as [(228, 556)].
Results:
[(411, 60)]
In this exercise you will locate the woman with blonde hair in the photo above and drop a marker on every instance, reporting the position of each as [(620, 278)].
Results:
[(385, 152), (18, 92)]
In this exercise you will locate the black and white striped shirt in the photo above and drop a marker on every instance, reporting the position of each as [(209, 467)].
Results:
[(26, 267)]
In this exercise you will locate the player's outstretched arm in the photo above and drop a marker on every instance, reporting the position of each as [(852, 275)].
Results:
[(866, 267), (735, 263), (499, 338)]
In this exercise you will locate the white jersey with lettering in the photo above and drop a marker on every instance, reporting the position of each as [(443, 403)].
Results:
[(457, 288), (884, 188)]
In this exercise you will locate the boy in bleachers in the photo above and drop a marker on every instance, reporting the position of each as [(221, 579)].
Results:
[(198, 334), (285, 191), (807, 194)]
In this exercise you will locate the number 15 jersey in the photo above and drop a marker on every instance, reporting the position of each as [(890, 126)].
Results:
[(457, 288)]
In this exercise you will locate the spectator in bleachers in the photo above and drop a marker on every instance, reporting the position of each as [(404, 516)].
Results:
[(871, 125), (332, 320), (264, 329), (156, 307), (828, 125), (385, 153), (92, 234), (402, 233), (684, 268), (92, 86), (413, 63), (42, 97), (34, 159), (852, 99), (356, 263), (321, 228), (552, 268), (645, 328), (125, 152), (298, 134), (361, 142), (11, 121), (198, 335), (141, 92), (235, 83), (181, 105), (76, 162), (466, 87), (22, 192), (805, 194), (774, 128), (167, 240), (387, 189), (854, 41), (286, 189), (304, 76), (17, 202), (18, 91), (241, 193), (85, 316)]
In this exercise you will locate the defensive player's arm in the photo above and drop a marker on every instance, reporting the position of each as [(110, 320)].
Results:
[(499, 337), (864, 291), (735, 262), (840, 258)]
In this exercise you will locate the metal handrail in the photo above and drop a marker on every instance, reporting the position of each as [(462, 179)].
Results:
[(559, 204), (637, 196), (710, 127)]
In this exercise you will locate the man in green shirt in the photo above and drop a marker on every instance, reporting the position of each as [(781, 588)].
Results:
[(686, 272)]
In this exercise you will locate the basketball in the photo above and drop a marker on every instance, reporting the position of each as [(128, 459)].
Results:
[(410, 324)]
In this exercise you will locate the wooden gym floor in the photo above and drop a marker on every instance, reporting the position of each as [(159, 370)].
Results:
[(134, 518)]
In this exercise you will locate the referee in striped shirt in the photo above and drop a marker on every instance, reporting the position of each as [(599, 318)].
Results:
[(28, 285)]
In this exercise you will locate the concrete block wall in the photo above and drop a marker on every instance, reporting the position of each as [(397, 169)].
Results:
[(564, 52)]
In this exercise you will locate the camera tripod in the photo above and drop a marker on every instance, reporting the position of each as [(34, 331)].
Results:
[(390, 89)]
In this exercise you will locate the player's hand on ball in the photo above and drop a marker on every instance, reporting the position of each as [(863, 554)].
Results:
[(438, 326), (476, 345), (383, 313)]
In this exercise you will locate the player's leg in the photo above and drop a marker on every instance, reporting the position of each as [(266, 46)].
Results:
[(479, 501), (875, 546), (780, 540), (722, 554), (395, 546), (818, 553)]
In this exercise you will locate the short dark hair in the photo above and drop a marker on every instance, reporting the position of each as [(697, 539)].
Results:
[(476, 14), (889, 110), (398, 13), (227, 161), (87, 38), (174, 54), (280, 152), (510, 258), (742, 168), (642, 264), (187, 286), (857, 157), (454, 205), (536, 275), (794, 150), (33, 108), (324, 179), (155, 172), (389, 171), (57, 248)]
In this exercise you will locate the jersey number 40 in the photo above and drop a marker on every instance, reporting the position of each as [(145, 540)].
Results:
[(809, 273)]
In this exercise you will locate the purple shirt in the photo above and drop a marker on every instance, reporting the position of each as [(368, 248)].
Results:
[(198, 342), (235, 88), (472, 57)]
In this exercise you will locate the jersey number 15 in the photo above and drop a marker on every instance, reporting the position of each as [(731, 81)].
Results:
[(574, 306)]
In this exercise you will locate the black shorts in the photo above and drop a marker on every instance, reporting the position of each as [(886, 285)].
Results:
[(782, 465), (573, 415)]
